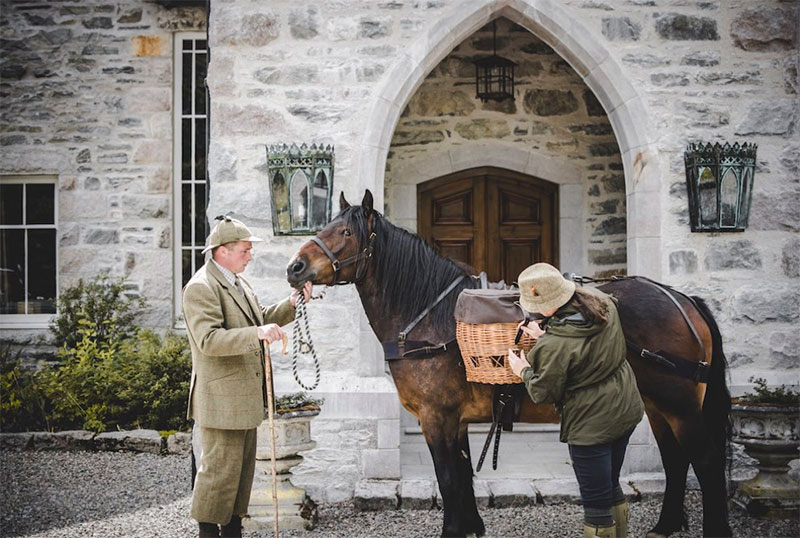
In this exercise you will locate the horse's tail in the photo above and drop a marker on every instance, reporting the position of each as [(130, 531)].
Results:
[(717, 404)]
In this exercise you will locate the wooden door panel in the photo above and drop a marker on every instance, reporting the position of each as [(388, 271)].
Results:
[(458, 250), (494, 220)]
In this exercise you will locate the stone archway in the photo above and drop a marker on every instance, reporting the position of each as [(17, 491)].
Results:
[(551, 23)]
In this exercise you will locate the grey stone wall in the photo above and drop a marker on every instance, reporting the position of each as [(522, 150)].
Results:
[(87, 97)]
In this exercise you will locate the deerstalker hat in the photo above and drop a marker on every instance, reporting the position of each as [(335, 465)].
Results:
[(228, 230), (542, 288)]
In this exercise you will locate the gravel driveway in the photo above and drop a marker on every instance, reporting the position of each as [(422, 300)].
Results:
[(104, 495)]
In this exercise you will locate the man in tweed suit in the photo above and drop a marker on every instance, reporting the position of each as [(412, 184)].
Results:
[(227, 396)]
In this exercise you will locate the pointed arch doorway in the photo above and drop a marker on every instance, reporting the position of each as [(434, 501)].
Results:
[(493, 219)]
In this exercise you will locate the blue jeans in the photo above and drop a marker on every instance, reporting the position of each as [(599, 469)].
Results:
[(597, 470)]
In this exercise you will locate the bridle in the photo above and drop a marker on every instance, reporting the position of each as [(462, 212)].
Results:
[(337, 265)]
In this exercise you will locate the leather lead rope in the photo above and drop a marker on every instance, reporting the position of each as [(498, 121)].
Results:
[(301, 342)]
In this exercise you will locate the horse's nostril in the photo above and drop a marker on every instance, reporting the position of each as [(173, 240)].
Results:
[(298, 267)]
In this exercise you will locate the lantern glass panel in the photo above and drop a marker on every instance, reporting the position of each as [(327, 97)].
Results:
[(280, 198), (729, 197), (319, 204), (708, 196), (299, 200)]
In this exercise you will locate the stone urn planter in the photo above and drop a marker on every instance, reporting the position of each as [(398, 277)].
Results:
[(292, 435), (770, 434)]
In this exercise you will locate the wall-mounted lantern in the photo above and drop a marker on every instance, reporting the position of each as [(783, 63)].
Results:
[(301, 184), (719, 180), (494, 76)]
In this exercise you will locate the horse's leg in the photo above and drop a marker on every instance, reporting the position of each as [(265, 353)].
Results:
[(676, 465), (473, 524), (708, 461), (441, 433)]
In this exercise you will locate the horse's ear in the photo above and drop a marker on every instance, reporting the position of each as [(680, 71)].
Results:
[(366, 203), (343, 203)]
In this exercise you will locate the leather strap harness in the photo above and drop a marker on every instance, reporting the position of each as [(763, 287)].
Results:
[(362, 256)]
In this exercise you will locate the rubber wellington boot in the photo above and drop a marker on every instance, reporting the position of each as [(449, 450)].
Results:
[(590, 531), (621, 513)]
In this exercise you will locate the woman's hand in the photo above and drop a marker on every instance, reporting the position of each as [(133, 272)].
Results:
[(532, 329), (307, 289), (516, 363)]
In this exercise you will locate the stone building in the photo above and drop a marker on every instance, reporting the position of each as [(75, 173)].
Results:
[(105, 122)]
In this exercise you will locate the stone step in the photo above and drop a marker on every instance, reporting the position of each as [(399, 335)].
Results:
[(421, 494)]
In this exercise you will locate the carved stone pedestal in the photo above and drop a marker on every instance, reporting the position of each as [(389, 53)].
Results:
[(295, 509), (770, 435)]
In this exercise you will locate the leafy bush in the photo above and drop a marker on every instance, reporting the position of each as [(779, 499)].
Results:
[(138, 382), (298, 401), (22, 405), (111, 374), (101, 301), (764, 395)]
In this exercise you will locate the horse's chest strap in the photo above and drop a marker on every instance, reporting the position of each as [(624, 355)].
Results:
[(411, 349)]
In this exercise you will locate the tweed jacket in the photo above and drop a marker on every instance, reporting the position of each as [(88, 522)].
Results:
[(227, 389)]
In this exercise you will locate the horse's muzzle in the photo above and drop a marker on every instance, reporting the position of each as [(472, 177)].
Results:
[(299, 271)]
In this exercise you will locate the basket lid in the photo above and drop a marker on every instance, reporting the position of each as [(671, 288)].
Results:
[(489, 306)]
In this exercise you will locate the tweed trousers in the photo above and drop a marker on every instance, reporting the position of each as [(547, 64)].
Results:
[(226, 461)]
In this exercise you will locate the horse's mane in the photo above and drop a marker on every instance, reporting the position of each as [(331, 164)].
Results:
[(409, 273)]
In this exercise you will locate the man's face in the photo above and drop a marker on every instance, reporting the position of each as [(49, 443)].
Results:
[(235, 257)]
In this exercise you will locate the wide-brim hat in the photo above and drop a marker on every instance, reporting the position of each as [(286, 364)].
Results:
[(542, 288), (228, 230)]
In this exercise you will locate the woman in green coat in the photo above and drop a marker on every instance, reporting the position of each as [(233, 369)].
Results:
[(578, 363)]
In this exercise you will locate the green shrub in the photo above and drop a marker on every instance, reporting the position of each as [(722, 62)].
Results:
[(764, 395), (22, 405), (141, 381), (298, 401), (101, 301)]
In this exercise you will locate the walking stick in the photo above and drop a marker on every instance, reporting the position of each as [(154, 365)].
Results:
[(270, 411)]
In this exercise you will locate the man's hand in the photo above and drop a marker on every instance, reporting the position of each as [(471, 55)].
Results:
[(516, 363), (532, 329), (307, 289), (270, 332)]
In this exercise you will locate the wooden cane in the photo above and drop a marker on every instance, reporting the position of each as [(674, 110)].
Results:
[(271, 411)]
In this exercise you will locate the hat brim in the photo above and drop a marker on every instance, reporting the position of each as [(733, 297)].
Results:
[(252, 239)]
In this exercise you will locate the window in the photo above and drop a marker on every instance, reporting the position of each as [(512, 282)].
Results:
[(28, 255), (191, 188)]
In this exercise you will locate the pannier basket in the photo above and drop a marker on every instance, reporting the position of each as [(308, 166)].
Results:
[(486, 325)]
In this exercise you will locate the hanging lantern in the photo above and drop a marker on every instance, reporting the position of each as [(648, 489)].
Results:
[(301, 184), (494, 76), (719, 181)]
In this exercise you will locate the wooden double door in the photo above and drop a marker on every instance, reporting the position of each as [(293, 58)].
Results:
[(495, 220)]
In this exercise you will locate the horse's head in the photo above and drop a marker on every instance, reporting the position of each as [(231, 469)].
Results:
[(340, 253)]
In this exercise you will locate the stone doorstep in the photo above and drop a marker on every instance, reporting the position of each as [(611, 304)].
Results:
[(421, 494)]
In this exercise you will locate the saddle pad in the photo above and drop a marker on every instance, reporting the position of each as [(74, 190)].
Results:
[(489, 306)]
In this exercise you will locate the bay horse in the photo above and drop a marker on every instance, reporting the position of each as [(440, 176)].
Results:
[(398, 276)]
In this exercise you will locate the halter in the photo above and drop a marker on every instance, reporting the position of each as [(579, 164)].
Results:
[(364, 255)]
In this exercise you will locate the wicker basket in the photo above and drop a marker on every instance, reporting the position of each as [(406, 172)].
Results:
[(484, 348)]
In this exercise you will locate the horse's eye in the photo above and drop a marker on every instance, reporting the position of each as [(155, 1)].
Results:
[(346, 232)]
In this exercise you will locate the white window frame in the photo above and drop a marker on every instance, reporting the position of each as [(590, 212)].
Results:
[(177, 183), (32, 321)]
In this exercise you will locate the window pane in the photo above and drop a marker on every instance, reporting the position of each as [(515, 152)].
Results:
[(41, 271), (10, 203), (187, 44), (39, 200), (199, 259), (199, 214), (186, 214), (200, 149), (186, 149), (199, 84), (12, 271), (200, 44), (186, 84), (186, 265)]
